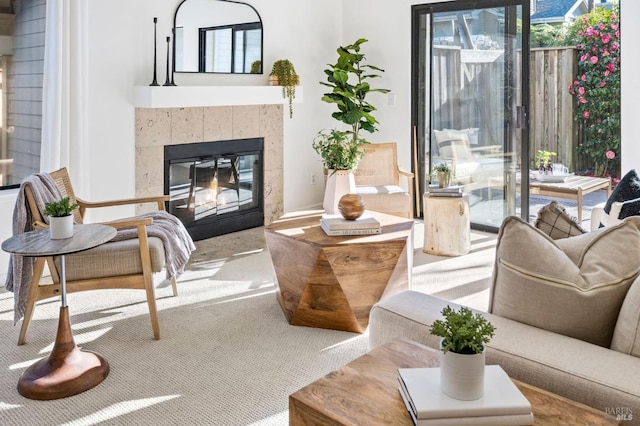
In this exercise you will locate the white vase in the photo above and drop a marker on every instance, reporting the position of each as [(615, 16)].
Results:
[(339, 183), (462, 375), (61, 227)]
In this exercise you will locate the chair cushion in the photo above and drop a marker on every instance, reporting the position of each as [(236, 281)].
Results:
[(626, 335), (572, 286), (113, 259), (379, 189), (554, 221)]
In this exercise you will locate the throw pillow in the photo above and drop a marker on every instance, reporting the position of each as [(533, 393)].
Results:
[(453, 145), (626, 190), (572, 286), (626, 336), (554, 221)]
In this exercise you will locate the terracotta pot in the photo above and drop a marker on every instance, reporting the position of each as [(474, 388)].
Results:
[(351, 206)]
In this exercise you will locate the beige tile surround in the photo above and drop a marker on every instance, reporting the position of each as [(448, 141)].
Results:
[(157, 127)]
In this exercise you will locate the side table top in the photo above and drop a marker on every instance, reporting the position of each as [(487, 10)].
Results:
[(305, 225), (38, 243)]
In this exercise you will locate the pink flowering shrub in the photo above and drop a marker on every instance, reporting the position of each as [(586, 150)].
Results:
[(597, 87)]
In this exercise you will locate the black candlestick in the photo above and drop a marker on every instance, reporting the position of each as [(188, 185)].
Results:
[(155, 56), (173, 57), (167, 82)]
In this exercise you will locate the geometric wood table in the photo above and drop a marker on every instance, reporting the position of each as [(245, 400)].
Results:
[(67, 370), (365, 392), (334, 281)]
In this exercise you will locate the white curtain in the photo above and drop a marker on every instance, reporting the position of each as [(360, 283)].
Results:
[(64, 116)]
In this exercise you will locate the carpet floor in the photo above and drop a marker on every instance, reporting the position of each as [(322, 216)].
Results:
[(227, 355)]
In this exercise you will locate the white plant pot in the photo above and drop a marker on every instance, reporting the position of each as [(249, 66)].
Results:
[(61, 227), (338, 184), (462, 375)]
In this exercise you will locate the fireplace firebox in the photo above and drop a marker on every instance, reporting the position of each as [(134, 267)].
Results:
[(215, 187)]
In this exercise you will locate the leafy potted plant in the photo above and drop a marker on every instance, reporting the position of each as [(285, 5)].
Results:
[(443, 173), (284, 74), (348, 81), (60, 218), (464, 335), (256, 67)]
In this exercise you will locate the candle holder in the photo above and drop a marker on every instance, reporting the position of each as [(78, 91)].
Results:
[(155, 55), (167, 81)]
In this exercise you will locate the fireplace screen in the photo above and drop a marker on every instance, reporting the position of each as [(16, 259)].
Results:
[(217, 192)]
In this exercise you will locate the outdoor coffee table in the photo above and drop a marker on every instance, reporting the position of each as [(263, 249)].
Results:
[(574, 188), (365, 392), (67, 370), (334, 281)]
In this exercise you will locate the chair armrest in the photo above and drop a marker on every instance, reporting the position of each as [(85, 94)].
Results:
[(597, 212), (129, 223), (125, 201)]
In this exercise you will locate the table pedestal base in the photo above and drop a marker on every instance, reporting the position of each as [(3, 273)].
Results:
[(66, 371)]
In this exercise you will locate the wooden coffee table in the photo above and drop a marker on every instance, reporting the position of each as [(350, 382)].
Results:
[(365, 392), (333, 282)]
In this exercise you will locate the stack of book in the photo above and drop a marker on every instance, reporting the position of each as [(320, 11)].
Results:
[(449, 191), (337, 225), (501, 404)]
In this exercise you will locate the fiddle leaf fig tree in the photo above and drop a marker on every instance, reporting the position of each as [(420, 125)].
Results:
[(348, 80)]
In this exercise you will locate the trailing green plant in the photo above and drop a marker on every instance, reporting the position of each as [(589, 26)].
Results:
[(256, 67), (348, 80), (60, 208), (597, 87), (287, 78), (462, 331), (338, 150), (442, 168)]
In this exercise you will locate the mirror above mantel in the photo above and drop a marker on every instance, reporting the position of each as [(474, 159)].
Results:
[(217, 36)]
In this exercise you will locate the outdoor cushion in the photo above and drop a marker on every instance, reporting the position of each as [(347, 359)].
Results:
[(453, 145), (626, 336), (554, 221), (627, 190), (580, 282)]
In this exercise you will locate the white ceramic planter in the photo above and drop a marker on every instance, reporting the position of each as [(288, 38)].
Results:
[(462, 375), (61, 227), (338, 184)]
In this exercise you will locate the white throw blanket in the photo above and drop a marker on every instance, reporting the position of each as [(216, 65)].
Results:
[(178, 244)]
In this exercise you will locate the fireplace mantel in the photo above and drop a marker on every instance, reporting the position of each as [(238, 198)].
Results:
[(204, 96)]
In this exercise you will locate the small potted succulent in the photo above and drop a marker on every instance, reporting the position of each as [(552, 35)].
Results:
[(464, 335), (443, 173), (60, 218)]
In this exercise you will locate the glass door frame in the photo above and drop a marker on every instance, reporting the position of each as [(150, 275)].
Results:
[(519, 118)]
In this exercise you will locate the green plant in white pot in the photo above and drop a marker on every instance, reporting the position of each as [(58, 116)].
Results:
[(464, 336), (60, 218), (348, 80)]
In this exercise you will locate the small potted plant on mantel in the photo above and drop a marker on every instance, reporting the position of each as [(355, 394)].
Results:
[(464, 335), (283, 73), (60, 218)]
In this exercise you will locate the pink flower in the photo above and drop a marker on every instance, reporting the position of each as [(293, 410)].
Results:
[(593, 60), (585, 115), (606, 38), (582, 100), (614, 26), (606, 73), (601, 26), (583, 77), (611, 66), (614, 46), (581, 90), (610, 155), (603, 83), (584, 57), (580, 31)]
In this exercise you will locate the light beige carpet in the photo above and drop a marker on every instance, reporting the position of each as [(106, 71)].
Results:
[(227, 355)]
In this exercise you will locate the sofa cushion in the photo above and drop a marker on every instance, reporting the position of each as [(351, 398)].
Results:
[(580, 282), (626, 190), (554, 221), (626, 336)]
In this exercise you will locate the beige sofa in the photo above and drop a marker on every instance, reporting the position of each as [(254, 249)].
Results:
[(573, 330)]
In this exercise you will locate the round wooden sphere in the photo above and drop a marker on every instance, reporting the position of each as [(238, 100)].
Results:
[(351, 206)]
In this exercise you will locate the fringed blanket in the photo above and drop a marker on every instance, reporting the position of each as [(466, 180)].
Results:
[(178, 244)]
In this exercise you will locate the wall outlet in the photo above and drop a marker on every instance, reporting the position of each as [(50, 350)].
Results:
[(313, 178)]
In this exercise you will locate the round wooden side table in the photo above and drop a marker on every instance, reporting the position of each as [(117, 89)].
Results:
[(67, 370)]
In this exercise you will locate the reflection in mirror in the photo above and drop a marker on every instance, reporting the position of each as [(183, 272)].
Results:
[(218, 36)]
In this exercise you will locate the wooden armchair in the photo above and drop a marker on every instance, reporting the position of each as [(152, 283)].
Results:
[(126, 264), (378, 181)]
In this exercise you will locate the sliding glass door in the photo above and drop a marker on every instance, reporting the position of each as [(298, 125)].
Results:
[(469, 92)]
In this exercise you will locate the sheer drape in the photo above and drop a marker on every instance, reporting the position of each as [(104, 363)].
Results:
[(64, 141)]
